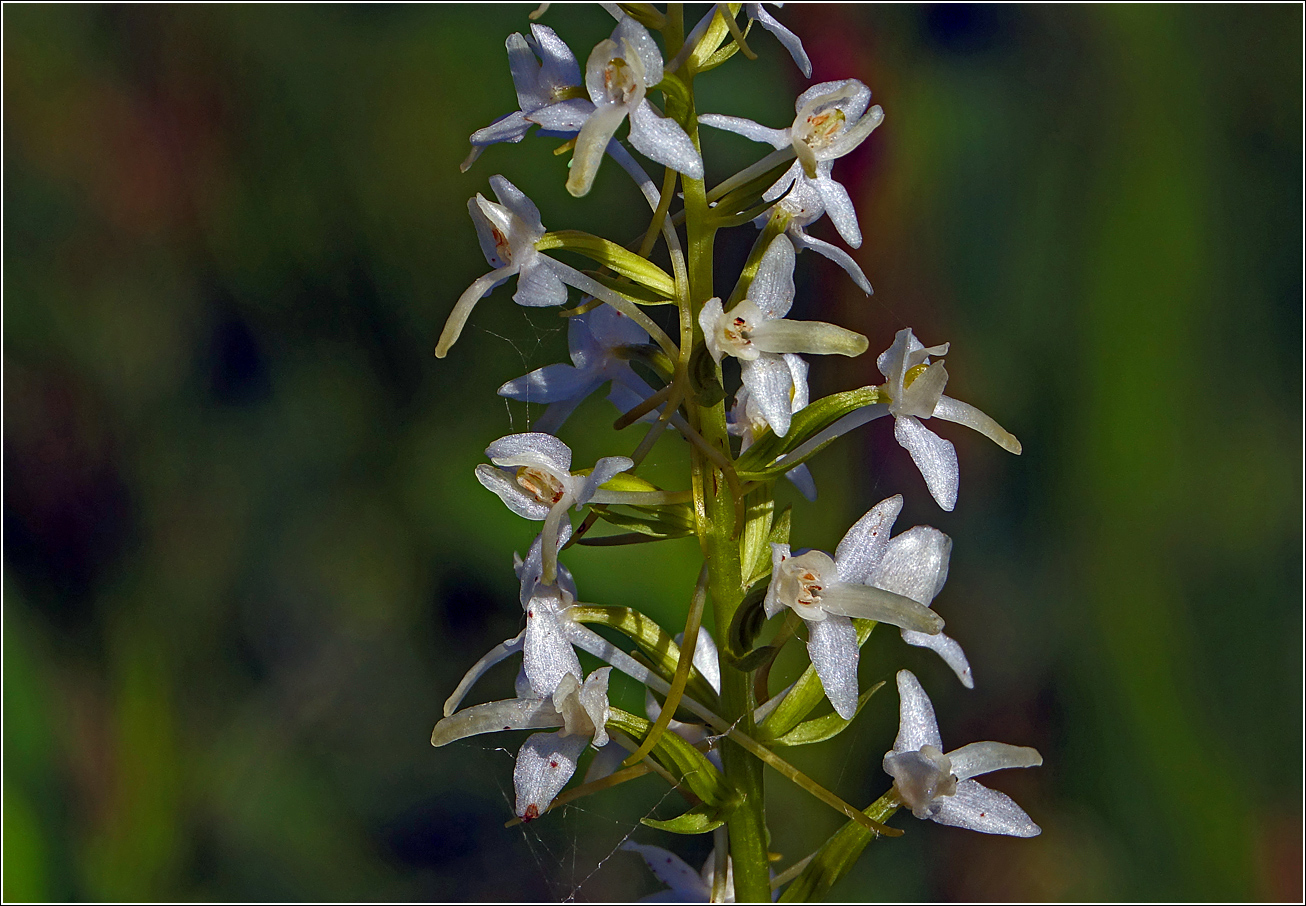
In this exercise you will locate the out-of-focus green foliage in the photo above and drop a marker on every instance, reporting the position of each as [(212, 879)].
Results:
[(246, 559)]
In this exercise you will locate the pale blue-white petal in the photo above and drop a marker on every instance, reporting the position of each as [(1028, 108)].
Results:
[(945, 647), (515, 200), (770, 383), (550, 384), (848, 95), (935, 457), (564, 117), (492, 237), (556, 415), (772, 604), (547, 655), (591, 143), (558, 66), (509, 128), (801, 478), (544, 447), (917, 725), (672, 871), (863, 546), (835, 254), (525, 73), (915, 564), (594, 699), (892, 362), (832, 647), (604, 469), (961, 413), (839, 208), (479, 669), (530, 571), (982, 757), (661, 138), (507, 489), (610, 328), (772, 289), (776, 138), (791, 41), (544, 765), (606, 761), (539, 286), (979, 808)]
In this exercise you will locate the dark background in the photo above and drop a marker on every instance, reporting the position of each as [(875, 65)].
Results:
[(246, 558)]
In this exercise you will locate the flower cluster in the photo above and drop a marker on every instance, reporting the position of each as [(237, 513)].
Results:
[(707, 690)]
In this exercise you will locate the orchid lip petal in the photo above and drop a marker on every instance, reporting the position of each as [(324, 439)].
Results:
[(491, 717), (869, 603), (983, 757), (807, 337), (961, 413)]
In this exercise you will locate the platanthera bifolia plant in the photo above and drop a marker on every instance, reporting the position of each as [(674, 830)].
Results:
[(713, 722)]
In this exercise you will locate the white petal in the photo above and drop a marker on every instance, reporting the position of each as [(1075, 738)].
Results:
[(947, 648), (515, 200), (772, 289), (563, 118), (791, 41), (706, 660), (781, 185), (961, 413), (848, 95), (840, 209), (917, 725), (935, 457), (530, 570), (856, 132), (491, 717), (780, 335), (838, 256), (776, 138), (502, 484), (709, 318), (979, 808), (544, 448), (492, 657), (544, 765), (772, 604), (892, 362), (510, 128), (868, 603), (551, 384), (671, 870), (462, 309), (604, 469), (590, 145), (770, 384), (915, 564), (547, 655), (660, 138), (801, 477), (525, 73), (538, 286), (594, 699), (832, 646), (558, 64), (982, 757), (606, 761), (921, 398), (611, 328), (645, 47), (864, 545)]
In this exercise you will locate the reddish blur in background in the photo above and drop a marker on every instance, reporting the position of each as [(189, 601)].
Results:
[(245, 559)]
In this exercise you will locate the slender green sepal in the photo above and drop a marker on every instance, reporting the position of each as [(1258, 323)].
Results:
[(838, 854), (701, 819), (689, 766), (805, 695), (822, 728), (759, 462), (611, 255), (660, 649)]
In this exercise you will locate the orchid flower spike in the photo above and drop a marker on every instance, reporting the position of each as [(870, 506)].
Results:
[(746, 420), (549, 92), (685, 885), (756, 332), (619, 73), (832, 120), (546, 761), (938, 787), (507, 232), (828, 592), (532, 475), (915, 388), (595, 340)]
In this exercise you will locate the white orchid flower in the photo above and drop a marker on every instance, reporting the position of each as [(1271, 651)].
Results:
[(549, 92), (804, 206), (546, 761), (746, 420), (532, 475), (832, 120), (915, 386), (757, 333), (685, 885), (939, 787), (620, 71), (507, 232), (828, 592), (791, 41), (594, 340)]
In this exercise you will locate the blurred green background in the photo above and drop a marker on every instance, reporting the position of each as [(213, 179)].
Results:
[(245, 558)]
